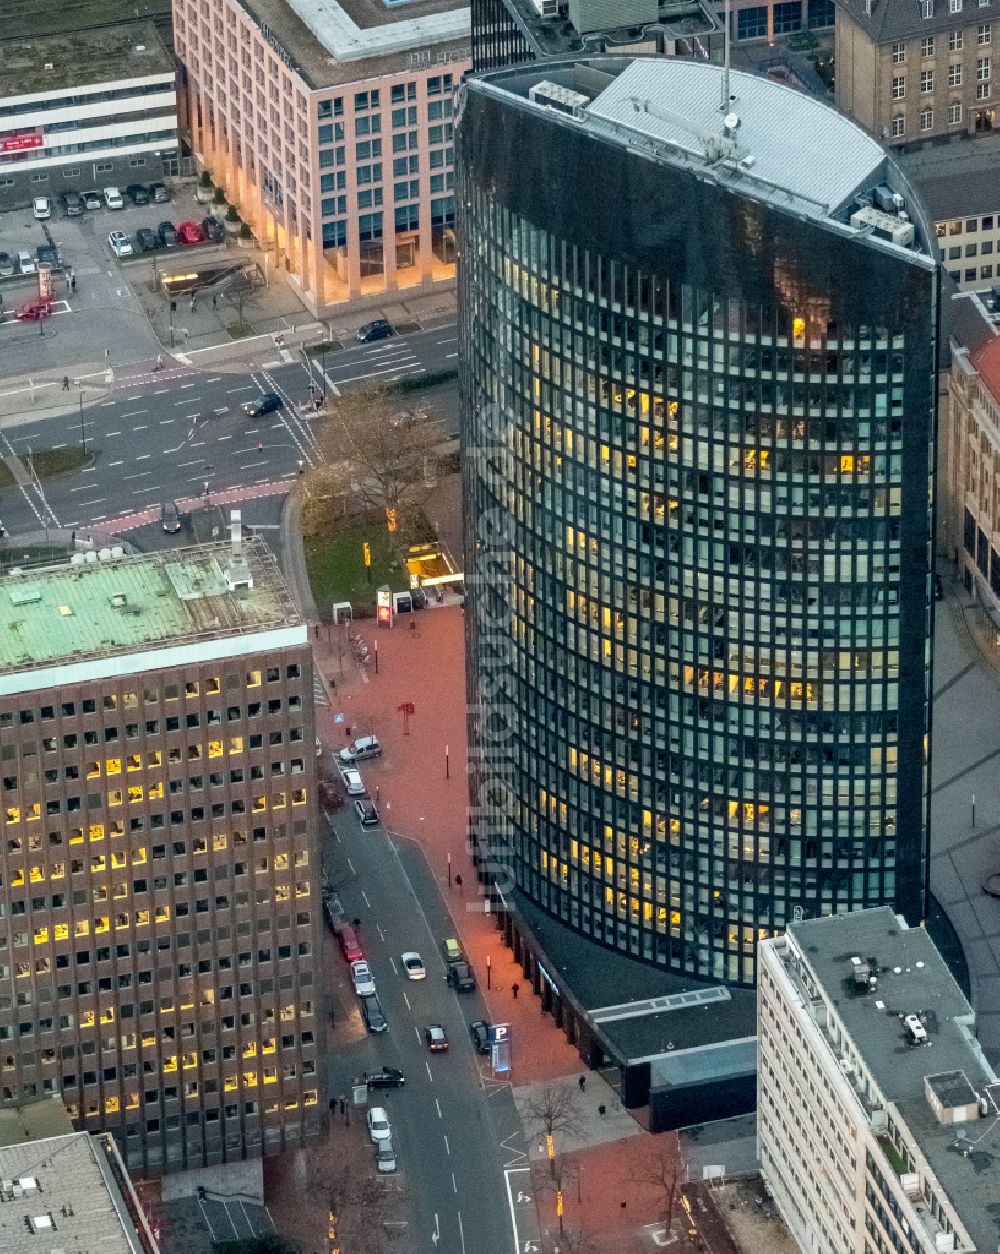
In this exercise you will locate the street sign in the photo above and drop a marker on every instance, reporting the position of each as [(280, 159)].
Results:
[(499, 1038), (367, 548), (384, 606)]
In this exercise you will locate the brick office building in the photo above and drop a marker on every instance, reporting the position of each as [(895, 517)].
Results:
[(159, 908)]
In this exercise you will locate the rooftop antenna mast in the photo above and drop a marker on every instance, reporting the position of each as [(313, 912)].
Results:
[(724, 105)]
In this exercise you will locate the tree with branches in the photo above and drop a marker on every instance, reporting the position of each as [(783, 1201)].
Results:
[(554, 1108), (237, 293), (360, 1200), (373, 453), (661, 1172)]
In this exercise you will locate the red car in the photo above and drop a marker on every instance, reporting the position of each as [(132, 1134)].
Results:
[(348, 941), (190, 233)]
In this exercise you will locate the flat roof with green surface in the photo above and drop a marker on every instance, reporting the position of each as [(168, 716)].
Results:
[(139, 612), (80, 59)]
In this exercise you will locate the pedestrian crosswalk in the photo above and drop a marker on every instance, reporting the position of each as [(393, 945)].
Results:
[(320, 694)]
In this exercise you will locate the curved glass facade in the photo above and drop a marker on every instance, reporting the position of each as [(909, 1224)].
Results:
[(698, 450)]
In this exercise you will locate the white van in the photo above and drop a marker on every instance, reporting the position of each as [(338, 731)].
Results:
[(25, 262), (363, 748)]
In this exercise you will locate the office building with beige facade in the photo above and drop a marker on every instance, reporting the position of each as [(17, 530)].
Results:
[(330, 126), (159, 926), (878, 1125), (913, 71)]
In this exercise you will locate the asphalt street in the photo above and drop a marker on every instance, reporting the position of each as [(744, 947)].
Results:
[(169, 438), (455, 1126)]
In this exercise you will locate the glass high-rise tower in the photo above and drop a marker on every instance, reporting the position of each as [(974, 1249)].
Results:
[(698, 334)]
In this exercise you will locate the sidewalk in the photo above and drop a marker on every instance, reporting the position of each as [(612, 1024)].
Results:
[(420, 786)]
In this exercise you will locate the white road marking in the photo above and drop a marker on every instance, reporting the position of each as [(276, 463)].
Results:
[(143, 457), (110, 464), (111, 432), (461, 1230), (182, 401), (452, 339), (407, 1000), (507, 1173), (141, 475), (430, 1074), (181, 465), (161, 391), (454, 1186), (447, 1148), (105, 404), (187, 385), (226, 437), (438, 1105), (367, 902), (351, 865), (249, 388), (165, 422), (392, 962), (144, 427), (419, 1038), (134, 413), (137, 397), (223, 410)]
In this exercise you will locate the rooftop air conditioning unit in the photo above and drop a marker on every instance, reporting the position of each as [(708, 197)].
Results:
[(917, 1031), (546, 8), (555, 96)]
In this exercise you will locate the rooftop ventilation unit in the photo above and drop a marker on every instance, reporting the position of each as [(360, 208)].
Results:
[(895, 228), (916, 1030), (554, 96), (545, 8), (238, 571)]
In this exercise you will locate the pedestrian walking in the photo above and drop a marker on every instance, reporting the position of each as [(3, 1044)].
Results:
[(343, 1105), (602, 1110), (72, 282), (214, 300), (583, 1083), (515, 989), (159, 362), (65, 382), (260, 446)]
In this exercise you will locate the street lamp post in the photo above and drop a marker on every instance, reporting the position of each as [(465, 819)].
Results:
[(83, 429)]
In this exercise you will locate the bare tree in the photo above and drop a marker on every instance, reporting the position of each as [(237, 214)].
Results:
[(554, 1108), (577, 1241), (360, 1200), (373, 451), (662, 1173), (236, 294)]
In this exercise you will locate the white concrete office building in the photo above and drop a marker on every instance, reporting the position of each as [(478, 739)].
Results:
[(878, 1116)]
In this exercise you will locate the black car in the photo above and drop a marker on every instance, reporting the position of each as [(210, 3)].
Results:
[(170, 517), (48, 255), (480, 1033), (138, 193), (168, 234), (385, 1078), (374, 1015), (146, 241), (72, 204), (158, 193), (380, 329), (213, 229), (265, 404), (460, 977)]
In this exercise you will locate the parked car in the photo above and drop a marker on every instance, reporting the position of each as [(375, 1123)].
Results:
[(72, 204), (378, 1124), (367, 814), (436, 1038), (348, 942), (121, 246), (41, 208), (158, 193), (260, 405), (364, 747), (138, 193), (168, 234), (362, 978), (48, 255), (353, 782), (380, 329), (213, 230), (6, 265), (113, 198), (25, 262), (413, 965), (91, 199), (460, 977), (170, 517), (479, 1030), (374, 1015), (452, 951), (146, 241), (189, 233), (385, 1156), (385, 1078)]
